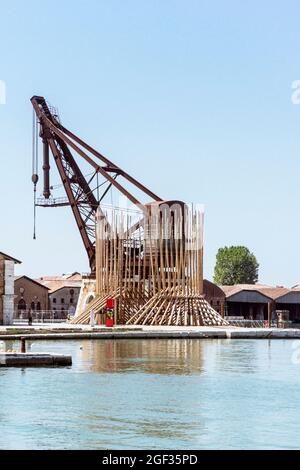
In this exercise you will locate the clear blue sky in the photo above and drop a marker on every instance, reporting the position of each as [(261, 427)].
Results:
[(192, 97)]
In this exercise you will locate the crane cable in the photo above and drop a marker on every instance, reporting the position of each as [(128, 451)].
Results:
[(35, 177)]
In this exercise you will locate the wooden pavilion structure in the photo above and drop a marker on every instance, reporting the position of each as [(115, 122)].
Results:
[(151, 263)]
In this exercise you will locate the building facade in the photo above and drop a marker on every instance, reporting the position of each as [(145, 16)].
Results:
[(30, 295), (63, 293), (254, 302), (63, 301)]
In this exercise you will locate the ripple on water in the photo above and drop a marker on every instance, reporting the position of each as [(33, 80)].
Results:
[(172, 394)]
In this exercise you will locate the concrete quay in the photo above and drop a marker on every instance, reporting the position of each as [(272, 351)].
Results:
[(73, 332), (34, 360)]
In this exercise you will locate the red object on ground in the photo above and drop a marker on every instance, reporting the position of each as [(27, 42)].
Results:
[(109, 322), (110, 303)]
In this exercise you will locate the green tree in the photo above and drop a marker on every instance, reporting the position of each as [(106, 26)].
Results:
[(235, 265)]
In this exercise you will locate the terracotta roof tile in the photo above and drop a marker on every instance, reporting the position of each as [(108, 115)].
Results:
[(231, 290), (55, 283), (268, 291)]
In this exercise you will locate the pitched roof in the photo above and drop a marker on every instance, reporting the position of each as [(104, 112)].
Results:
[(55, 283), (275, 292), (9, 258), (69, 276), (58, 287), (231, 290), (17, 278), (296, 288), (268, 291)]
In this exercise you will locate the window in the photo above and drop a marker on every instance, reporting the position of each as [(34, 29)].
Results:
[(54, 300), (71, 292), (62, 300), (38, 306), (32, 306), (22, 305), (71, 301)]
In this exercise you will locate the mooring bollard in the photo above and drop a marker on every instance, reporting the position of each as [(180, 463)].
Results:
[(23, 345)]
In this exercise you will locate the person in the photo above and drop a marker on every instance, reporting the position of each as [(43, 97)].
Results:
[(30, 317), (92, 318)]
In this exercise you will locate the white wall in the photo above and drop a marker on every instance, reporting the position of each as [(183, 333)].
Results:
[(8, 297)]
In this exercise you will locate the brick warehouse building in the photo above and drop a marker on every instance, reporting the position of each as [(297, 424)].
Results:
[(30, 294), (252, 301)]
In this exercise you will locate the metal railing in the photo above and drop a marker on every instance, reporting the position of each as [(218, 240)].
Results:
[(251, 323), (41, 316), (52, 202)]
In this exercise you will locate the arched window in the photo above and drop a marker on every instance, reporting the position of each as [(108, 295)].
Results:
[(22, 305), (38, 306), (32, 306)]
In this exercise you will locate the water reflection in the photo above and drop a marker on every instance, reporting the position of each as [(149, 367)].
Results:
[(151, 356), (235, 356), (171, 394), (15, 346), (7, 346)]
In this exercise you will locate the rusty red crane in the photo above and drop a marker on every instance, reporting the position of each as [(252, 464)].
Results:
[(83, 199)]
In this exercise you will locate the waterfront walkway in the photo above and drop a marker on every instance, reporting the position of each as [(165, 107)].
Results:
[(66, 331)]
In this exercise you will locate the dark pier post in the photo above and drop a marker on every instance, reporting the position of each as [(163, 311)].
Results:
[(23, 345)]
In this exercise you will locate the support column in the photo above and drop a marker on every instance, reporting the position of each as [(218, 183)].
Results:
[(251, 312), (222, 309), (9, 292), (262, 312), (7, 287), (269, 314)]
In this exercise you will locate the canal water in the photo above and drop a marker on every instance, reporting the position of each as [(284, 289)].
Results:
[(155, 394)]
